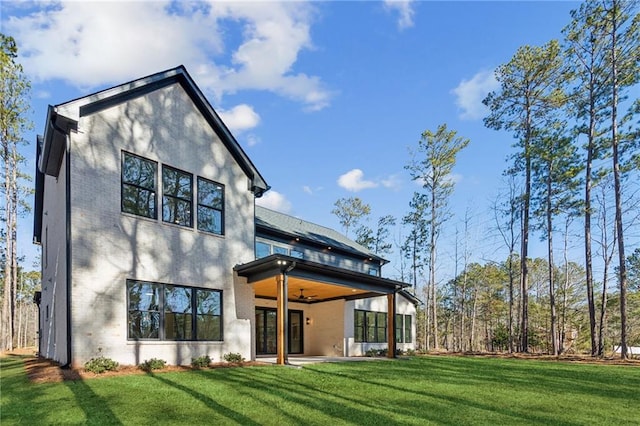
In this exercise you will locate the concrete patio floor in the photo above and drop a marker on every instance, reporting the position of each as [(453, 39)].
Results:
[(298, 361)]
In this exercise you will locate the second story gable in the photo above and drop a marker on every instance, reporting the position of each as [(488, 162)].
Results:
[(279, 233), (158, 144)]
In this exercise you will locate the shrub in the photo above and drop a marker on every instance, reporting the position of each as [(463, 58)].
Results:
[(233, 357), (201, 361), (100, 365), (411, 352), (153, 364)]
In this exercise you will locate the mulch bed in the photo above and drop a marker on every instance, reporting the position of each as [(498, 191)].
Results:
[(41, 370)]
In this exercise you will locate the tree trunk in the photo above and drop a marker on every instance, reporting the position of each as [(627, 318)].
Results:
[(622, 267), (552, 297), (472, 334), (432, 270)]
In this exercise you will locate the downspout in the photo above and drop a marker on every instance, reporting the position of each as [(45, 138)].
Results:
[(68, 244)]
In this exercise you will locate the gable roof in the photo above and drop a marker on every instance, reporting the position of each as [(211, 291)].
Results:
[(63, 118), (274, 222)]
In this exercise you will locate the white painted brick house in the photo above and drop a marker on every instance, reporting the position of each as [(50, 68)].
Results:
[(152, 246)]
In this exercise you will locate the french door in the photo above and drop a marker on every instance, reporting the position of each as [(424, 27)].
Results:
[(266, 331)]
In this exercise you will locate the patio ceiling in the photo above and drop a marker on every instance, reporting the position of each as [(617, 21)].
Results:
[(314, 281)]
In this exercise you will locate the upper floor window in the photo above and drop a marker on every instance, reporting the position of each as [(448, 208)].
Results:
[(373, 271), (177, 190), (210, 206), (262, 249), (138, 185)]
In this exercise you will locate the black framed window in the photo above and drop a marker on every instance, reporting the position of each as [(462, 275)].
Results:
[(177, 196), (168, 312), (139, 186), (403, 328), (370, 327), (144, 310), (210, 206), (359, 326), (399, 328), (208, 315), (178, 315), (407, 329)]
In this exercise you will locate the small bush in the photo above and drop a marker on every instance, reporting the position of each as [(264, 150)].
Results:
[(100, 365), (232, 357), (153, 364), (411, 352), (201, 361)]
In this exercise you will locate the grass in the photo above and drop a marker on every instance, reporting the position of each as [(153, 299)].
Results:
[(421, 390)]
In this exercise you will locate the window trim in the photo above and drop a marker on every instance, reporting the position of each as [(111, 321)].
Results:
[(161, 309), (123, 183), (198, 205), (378, 328), (175, 197)]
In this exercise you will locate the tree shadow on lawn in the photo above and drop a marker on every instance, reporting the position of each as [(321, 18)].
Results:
[(533, 377), (209, 402), (22, 394), (335, 400), (96, 409)]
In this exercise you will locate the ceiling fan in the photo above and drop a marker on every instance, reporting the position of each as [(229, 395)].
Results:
[(303, 297)]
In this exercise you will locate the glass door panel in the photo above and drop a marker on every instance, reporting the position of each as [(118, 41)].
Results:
[(295, 332)]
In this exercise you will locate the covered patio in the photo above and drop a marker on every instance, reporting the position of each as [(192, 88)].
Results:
[(288, 279)]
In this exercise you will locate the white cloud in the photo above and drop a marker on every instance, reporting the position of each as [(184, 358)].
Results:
[(392, 182), (354, 181), (240, 118), (88, 44), (275, 201), (470, 93), (307, 189), (253, 140), (404, 9)]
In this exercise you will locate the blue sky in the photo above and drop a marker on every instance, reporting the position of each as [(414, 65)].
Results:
[(325, 97)]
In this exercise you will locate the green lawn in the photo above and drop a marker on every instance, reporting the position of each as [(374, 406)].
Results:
[(421, 390)]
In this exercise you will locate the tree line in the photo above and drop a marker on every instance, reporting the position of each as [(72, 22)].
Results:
[(575, 158)]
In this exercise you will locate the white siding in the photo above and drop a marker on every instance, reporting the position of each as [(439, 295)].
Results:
[(110, 247), (53, 311)]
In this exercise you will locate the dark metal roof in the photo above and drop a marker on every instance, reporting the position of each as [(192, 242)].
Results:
[(273, 265), (287, 226)]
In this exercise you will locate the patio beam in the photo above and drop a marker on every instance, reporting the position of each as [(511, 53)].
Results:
[(281, 315), (391, 325)]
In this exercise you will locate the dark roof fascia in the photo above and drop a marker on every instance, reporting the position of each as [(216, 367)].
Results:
[(273, 265), (265, 230), (411, 297), (106, 98), (38, 196), (337, 247), (54, 141)]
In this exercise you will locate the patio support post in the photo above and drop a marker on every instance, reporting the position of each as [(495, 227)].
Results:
[(391, 325), (281, 314)]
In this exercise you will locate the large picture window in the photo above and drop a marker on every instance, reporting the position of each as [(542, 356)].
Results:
[(138, 185), (167, 312), (370, 327), (210, 206), (177, 196)]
